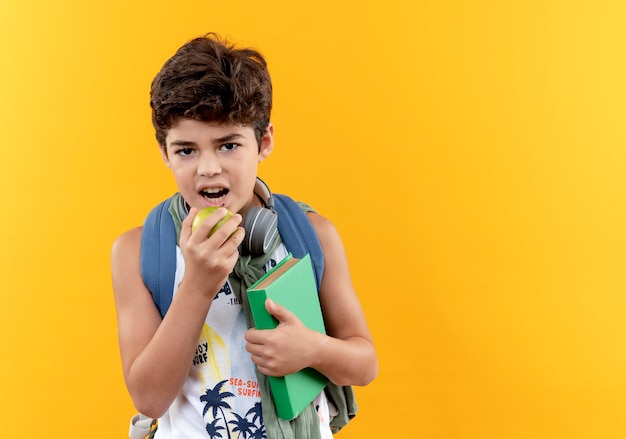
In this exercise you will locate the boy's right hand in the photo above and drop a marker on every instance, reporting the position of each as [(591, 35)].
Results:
[(210, 259)]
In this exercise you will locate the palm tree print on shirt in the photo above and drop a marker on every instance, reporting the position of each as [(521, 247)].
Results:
[(250, 428), (213, 429), (214, 400)]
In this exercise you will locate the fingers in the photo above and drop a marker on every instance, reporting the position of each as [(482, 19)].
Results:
[(209, 259), (185, 230), (281, 313), (266, 370), (271, 353), (228, 229), (215, 227), (262, 354)]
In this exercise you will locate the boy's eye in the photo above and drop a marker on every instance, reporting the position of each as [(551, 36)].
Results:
[(184, 151), (229, 146)]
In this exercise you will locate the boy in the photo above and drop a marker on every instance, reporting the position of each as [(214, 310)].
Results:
[(194, 369)]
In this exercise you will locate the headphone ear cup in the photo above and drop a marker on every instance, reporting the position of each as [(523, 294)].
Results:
[(261, 226)]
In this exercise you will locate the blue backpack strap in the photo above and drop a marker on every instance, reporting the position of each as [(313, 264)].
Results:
[(158, 255), (298, 234)]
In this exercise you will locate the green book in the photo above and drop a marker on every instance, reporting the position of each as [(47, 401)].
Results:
[(291, 284)]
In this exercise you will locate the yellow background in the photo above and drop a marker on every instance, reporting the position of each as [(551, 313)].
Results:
[(471, 153)]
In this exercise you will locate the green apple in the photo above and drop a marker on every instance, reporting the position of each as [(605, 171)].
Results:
[(203, 213)]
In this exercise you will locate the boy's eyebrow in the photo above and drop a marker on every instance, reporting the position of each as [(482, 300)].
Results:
[(217, 141), (182, 143), (228, 137)]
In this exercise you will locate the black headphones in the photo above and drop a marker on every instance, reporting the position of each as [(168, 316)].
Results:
[(260, 223)]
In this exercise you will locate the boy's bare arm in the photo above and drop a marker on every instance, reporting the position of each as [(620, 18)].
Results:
[(156, 355), (346, 355)]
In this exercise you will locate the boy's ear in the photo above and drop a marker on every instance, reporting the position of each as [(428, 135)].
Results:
[(164, 156), (267, 143)]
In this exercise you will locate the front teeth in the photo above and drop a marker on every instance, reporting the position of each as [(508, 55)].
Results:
[(211, 191)]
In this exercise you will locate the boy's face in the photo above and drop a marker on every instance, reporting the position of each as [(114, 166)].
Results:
[(216, 164)]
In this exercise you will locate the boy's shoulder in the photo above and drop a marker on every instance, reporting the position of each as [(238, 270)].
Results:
[(127, 241), (321, 224)]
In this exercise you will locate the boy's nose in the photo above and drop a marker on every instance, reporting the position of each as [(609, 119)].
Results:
[(208, 166)]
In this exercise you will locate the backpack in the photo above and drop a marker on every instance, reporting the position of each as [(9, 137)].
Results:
[(158, 268), (158, 246)]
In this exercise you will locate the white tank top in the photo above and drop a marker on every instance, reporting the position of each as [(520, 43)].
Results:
[(221, 391)]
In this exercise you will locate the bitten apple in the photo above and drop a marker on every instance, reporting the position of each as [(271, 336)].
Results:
[(203, 213)]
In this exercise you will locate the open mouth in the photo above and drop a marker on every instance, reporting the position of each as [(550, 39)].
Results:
[(215, 195)]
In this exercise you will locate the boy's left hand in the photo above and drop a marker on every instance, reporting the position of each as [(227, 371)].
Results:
[(289, 347)]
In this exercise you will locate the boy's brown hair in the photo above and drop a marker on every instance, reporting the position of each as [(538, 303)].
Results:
[(211, 80)]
